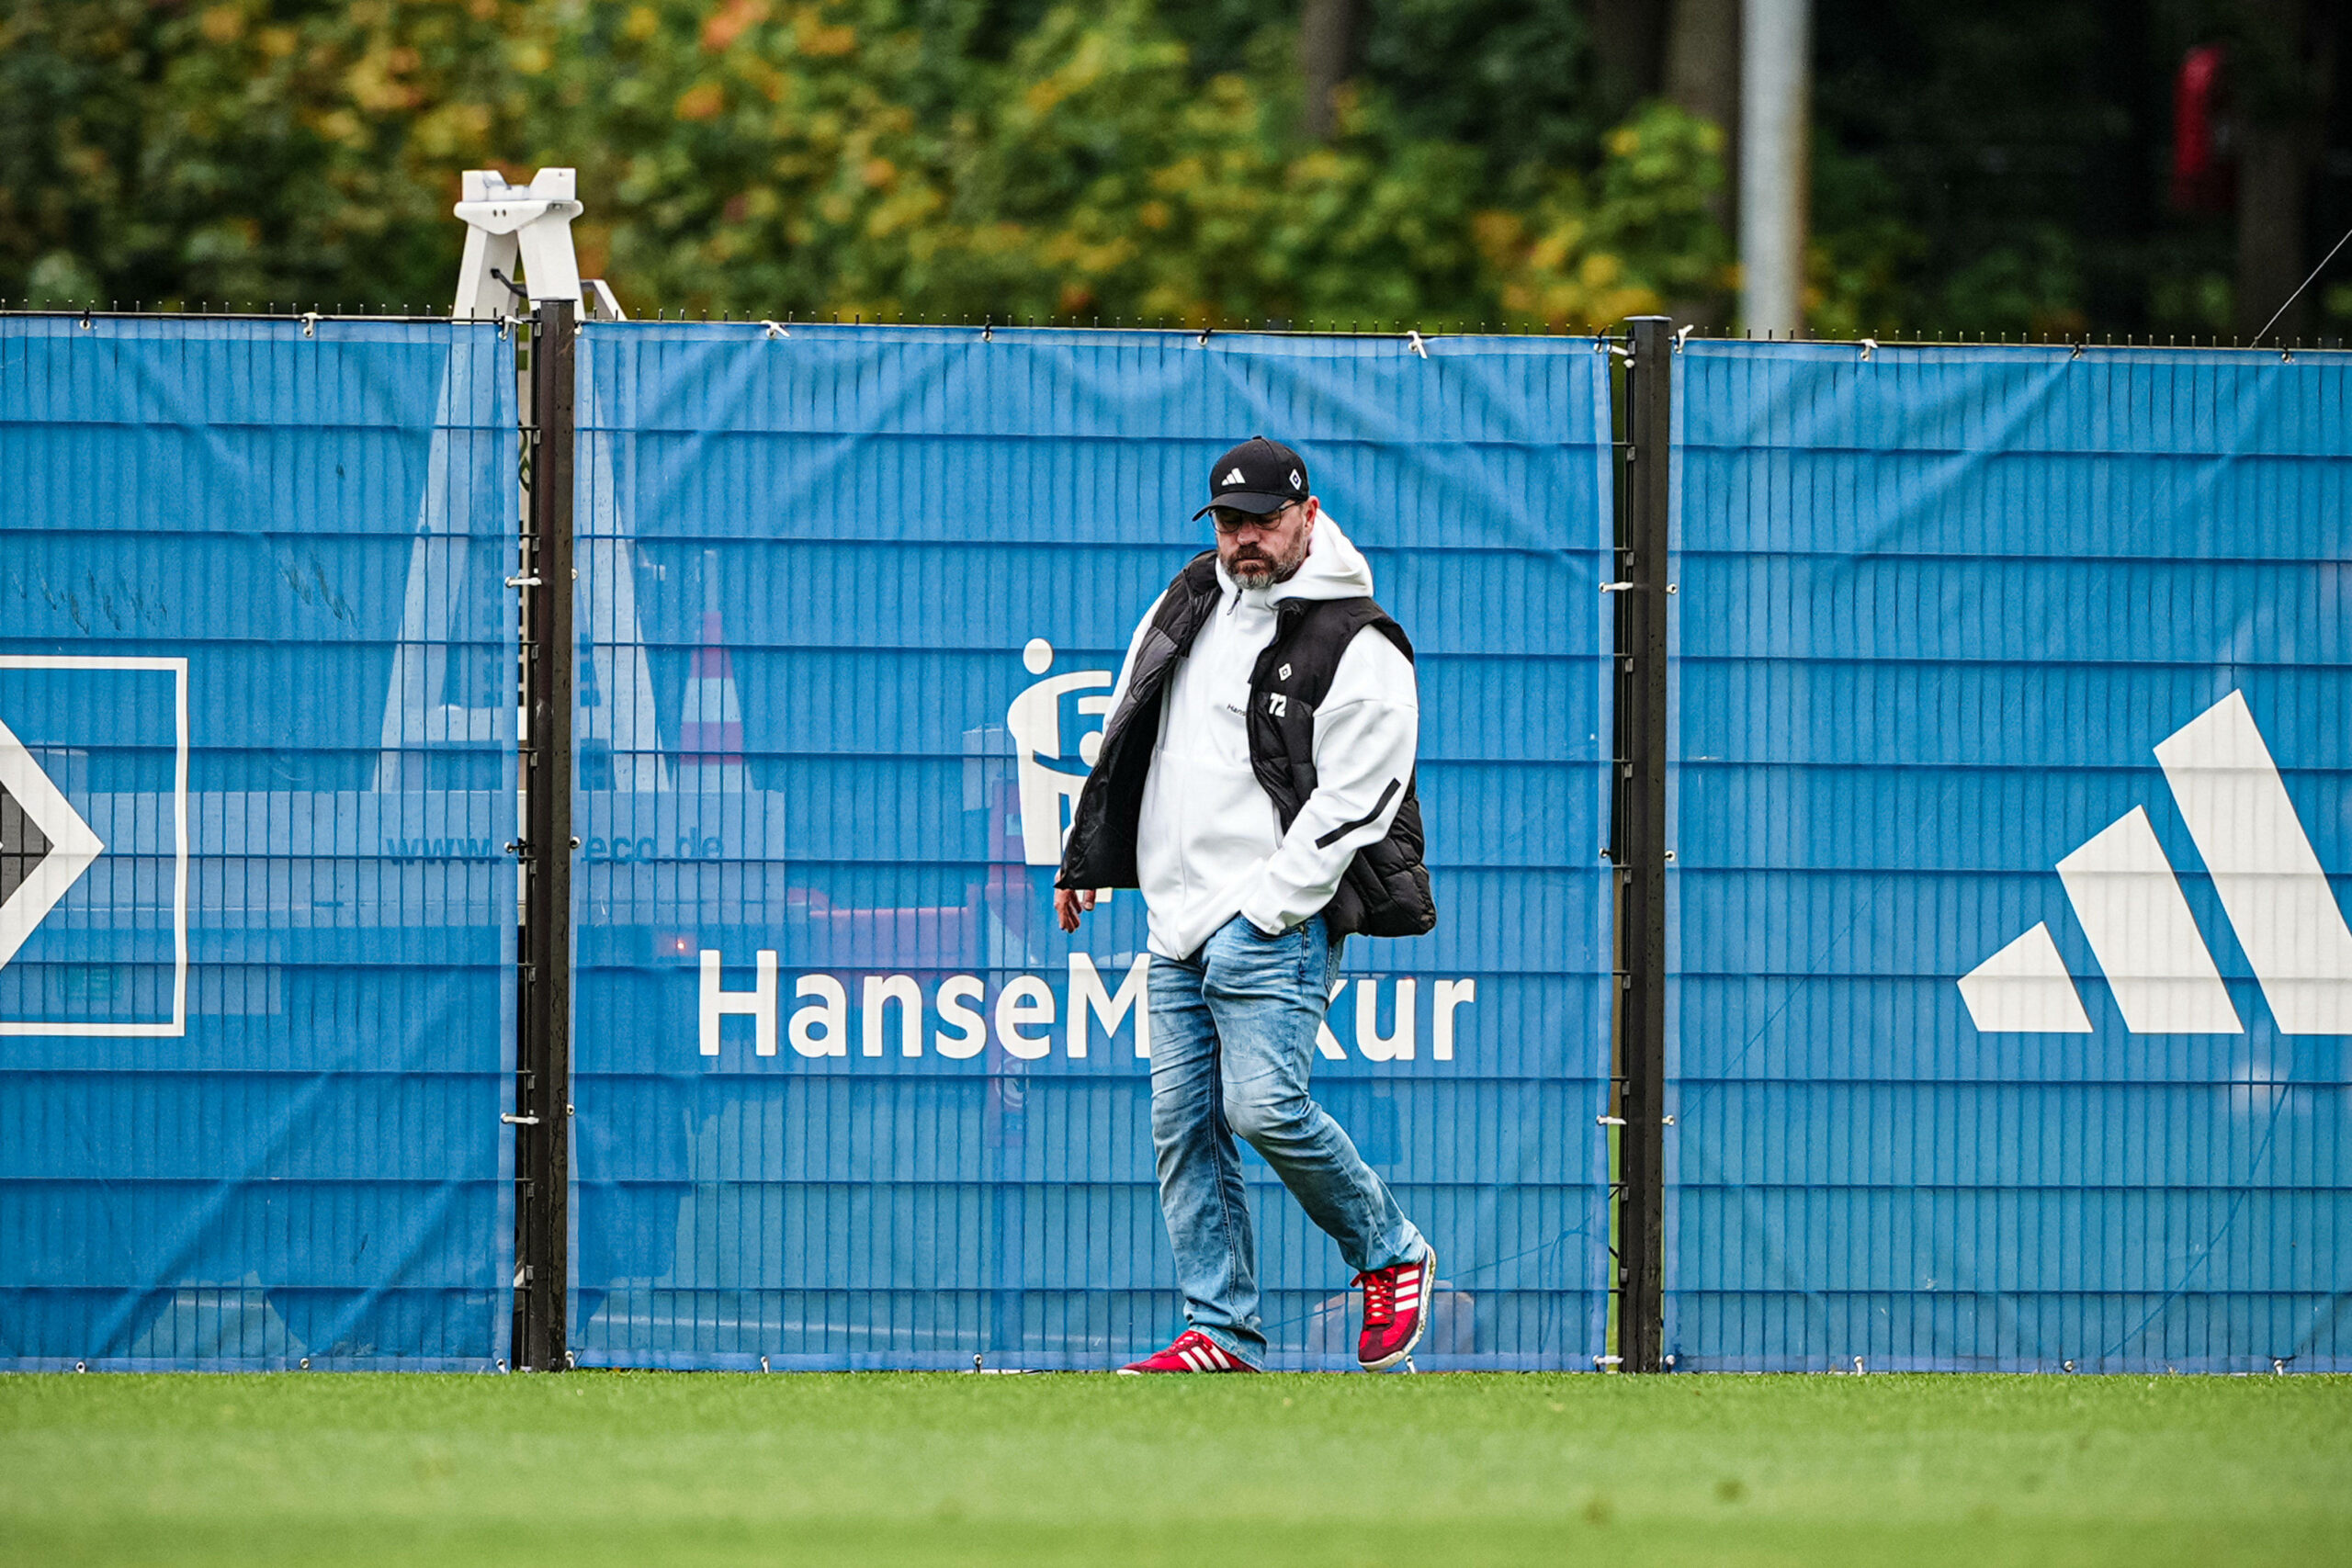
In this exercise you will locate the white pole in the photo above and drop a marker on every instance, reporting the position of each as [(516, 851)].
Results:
[(1775, 109)]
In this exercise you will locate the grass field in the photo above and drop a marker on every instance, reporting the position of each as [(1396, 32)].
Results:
[(647, 1469)]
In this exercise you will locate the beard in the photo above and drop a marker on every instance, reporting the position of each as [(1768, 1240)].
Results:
[(1252, 568)]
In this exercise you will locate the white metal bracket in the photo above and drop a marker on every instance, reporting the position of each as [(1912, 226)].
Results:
[(507, 224)]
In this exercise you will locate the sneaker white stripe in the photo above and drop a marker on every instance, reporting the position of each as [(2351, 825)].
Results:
[(1190, 1357)]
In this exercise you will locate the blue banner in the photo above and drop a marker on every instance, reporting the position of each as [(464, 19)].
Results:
[(256, 773), (852, 602), (2013, 822)]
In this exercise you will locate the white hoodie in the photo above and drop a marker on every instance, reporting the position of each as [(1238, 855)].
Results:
[(1209, 845)]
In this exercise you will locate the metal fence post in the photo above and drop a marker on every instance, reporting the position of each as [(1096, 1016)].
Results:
[(1640, 834), (543, 1056)]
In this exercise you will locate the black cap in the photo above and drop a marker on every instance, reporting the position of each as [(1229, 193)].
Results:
[(1257, 475)]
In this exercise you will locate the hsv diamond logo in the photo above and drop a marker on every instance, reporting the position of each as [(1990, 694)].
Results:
[(2139, 925), (44, 844), (93, 858)]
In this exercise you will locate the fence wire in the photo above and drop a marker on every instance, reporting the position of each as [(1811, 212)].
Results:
[(256, 770), (851, 601), (2010, 996)]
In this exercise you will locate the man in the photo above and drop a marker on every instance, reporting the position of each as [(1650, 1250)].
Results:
[(1256, 782)]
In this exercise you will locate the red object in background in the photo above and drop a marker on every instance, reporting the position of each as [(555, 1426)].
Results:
[(2204, 172)]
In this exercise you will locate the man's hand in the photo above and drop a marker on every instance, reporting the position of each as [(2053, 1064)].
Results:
[(1069, 903)]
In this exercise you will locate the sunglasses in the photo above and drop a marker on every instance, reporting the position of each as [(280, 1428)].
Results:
[(1231, 522)]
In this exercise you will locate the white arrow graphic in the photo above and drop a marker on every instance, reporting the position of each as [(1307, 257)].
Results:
[(71, 845), (2264, 870)]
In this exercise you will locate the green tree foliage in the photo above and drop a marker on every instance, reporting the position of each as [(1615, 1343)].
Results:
[(884, 157), (244, 152), (2001, 166), (1509, 77), (1622, 243)]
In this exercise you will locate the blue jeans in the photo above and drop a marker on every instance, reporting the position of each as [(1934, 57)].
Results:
[(1232, 1041)]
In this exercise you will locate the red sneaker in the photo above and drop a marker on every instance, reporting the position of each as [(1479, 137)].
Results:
[(1193, 1352), (1395, 1310)]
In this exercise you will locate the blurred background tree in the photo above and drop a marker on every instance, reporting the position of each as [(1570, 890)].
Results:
[(2000, 167)]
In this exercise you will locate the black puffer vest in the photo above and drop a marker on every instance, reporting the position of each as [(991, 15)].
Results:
[(1386, 891)]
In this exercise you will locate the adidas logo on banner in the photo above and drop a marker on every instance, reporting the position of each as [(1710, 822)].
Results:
[(2138, 922)]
